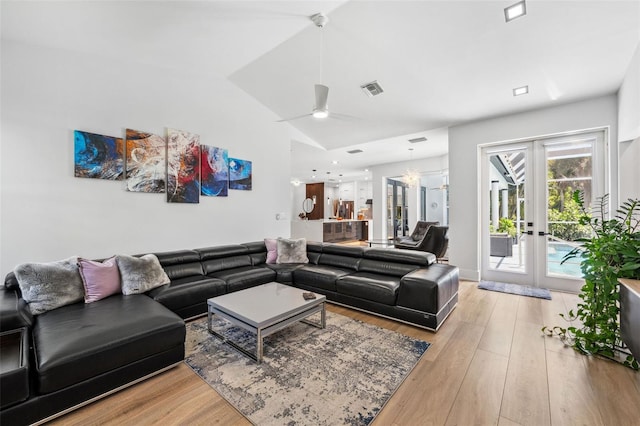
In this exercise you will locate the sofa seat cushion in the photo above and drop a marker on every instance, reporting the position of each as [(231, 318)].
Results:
[(245, 277), (375, 287), (188, 291), (284, 271), (319, 276), (81, 341)]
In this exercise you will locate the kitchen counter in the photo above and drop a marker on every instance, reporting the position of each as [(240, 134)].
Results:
[(331, 230)]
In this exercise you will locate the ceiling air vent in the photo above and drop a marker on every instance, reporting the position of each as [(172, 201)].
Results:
[(416, 140), (372, 89), (355, 151)]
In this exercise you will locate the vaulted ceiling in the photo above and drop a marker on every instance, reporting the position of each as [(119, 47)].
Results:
[(440, 63)]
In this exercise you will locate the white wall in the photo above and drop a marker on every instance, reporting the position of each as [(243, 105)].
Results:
[(382, 172), (629, 130), (629, 101), (48, 214), (464, 173)]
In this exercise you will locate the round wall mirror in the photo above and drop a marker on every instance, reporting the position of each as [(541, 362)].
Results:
[(307, 205)]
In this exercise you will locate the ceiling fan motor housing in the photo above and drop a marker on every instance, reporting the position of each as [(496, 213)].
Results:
[(320, 19)]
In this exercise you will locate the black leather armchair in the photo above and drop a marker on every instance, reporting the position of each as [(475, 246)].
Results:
[(435, 240), (416, 238)]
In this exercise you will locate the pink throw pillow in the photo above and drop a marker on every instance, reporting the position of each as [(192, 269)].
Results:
[(272, 249), (100, 279)]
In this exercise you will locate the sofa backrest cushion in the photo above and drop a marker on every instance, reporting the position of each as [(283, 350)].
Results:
[(347, 257), (411, 257), (177, 257), (180, 263), (218, 252), (183, 270), (224, 263), (314, 249), (257, 252), (386, 268), (345, 262), (343, 250)]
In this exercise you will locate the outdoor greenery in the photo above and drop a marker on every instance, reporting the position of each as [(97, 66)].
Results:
[(563, 211), (612, 252), (506, 225)]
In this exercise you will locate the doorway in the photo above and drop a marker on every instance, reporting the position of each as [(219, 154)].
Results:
[(529, 218), (397, 209)]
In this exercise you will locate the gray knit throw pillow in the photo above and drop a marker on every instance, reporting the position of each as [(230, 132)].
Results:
[(47, 286), (140, 274), (292, 250)]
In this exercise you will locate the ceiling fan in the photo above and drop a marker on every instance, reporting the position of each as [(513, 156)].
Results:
[(320, 108)]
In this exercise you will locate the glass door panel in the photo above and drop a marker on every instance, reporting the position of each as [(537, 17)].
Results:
[(507, 256), (570, 164)]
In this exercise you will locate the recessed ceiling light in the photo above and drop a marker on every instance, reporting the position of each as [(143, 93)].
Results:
[(520, 90), (366, 170), (313, 177), (515, 11), (334, 162)]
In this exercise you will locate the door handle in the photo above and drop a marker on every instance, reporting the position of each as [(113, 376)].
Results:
[(529, 232), (542, 233)]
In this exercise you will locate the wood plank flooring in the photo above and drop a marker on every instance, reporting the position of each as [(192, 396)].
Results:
[(488, 365)]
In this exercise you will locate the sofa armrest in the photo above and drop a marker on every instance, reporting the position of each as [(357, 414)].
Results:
[(14, 312), (428, 289)]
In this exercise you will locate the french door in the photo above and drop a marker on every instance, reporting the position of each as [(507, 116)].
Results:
[(397, 209), (529, 217)]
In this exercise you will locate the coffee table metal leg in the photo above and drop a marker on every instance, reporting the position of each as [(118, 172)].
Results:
[(259, 346), (323, 316)]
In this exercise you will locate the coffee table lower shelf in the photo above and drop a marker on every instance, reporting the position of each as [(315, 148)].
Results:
[(262, 332)]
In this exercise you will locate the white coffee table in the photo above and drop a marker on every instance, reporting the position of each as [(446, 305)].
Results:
[(263, 310)]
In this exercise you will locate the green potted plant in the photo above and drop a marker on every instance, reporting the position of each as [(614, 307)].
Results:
[(612, 252), (506, 226)]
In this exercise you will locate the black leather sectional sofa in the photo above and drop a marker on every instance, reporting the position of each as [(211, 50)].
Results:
[(74, 354)]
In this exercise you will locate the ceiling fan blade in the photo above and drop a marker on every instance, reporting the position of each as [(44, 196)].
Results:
[(343, 116), (322, 93), (293, 118)]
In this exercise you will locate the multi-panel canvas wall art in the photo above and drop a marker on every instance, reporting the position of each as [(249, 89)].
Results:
[(183, 167), (146, 162), (215, 171), (98, 156), (239, 174)]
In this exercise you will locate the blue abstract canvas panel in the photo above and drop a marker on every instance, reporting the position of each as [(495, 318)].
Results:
[(215, 171), (146, 162), (98, 156), (183, 167), (240, 174)]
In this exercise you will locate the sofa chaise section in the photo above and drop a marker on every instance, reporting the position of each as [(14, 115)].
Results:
[(84, 351)]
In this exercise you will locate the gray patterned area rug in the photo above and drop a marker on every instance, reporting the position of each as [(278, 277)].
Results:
[(522, 290), (343, 374)]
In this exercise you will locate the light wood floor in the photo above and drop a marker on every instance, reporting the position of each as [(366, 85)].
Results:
[(488, 365)]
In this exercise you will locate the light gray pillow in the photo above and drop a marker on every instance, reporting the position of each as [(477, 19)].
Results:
[(292, 250), (140, 274), (47, 286)]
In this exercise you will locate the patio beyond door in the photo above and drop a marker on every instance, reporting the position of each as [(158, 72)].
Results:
[(529, 216)]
